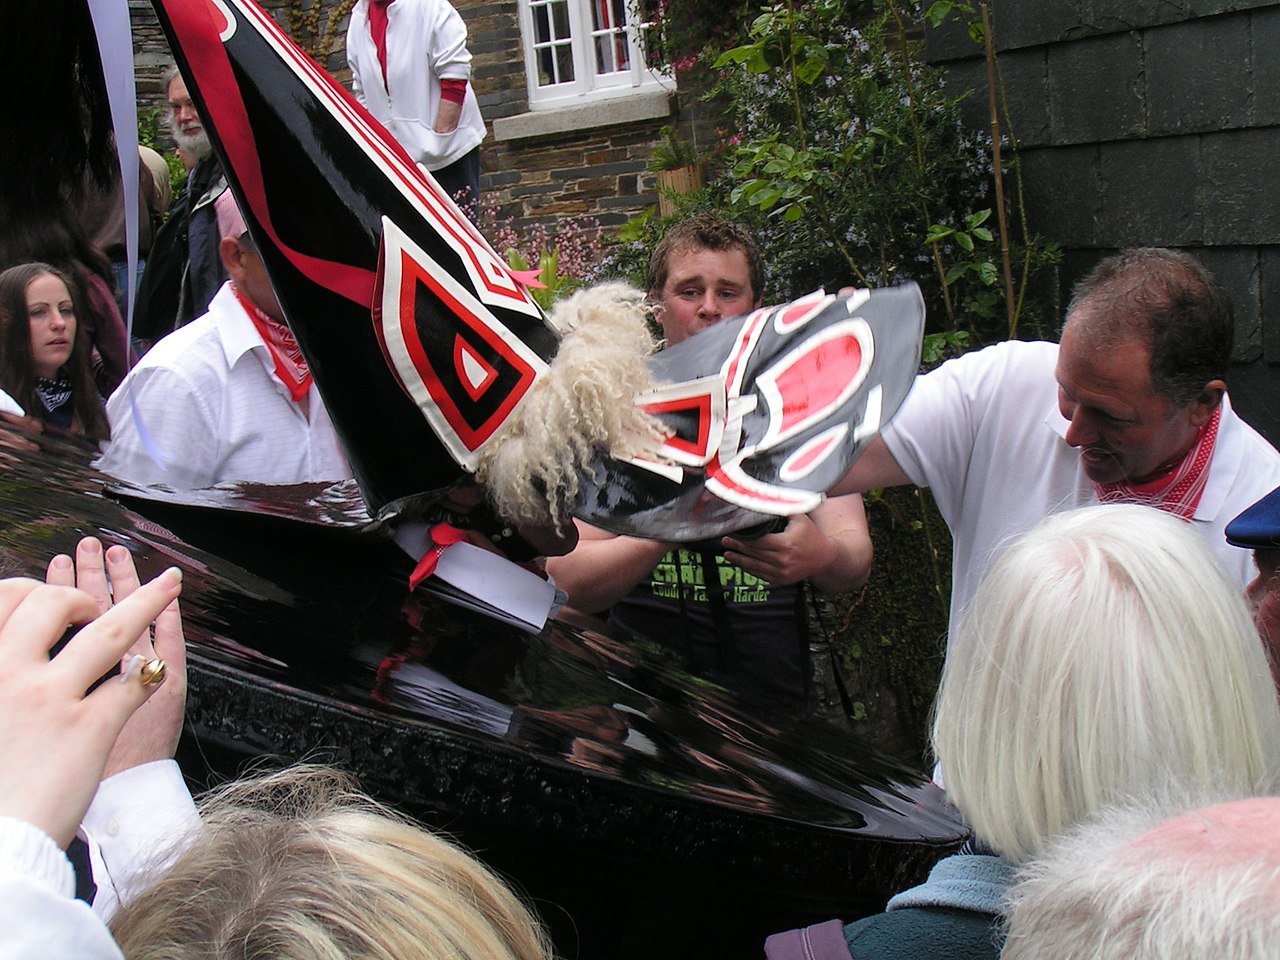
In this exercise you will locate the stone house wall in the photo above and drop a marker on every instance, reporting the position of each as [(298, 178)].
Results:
[(1150, 124), (536, 167)]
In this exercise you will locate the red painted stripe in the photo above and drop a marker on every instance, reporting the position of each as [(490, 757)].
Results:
[(702, 405), (197, 34), (741, 349), (371, 132)]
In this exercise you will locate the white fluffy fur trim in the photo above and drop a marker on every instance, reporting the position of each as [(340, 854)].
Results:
[(584, 404)]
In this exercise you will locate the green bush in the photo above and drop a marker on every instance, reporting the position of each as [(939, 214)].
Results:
[(848, 158)]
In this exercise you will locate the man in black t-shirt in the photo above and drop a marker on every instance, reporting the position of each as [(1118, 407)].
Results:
[(735, 605)]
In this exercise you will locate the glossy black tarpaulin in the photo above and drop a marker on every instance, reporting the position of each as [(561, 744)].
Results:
[(648, 812)]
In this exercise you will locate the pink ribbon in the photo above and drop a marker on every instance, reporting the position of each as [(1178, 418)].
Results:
[(527, 278)]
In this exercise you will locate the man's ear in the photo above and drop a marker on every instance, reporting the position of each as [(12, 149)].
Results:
[(231, 254), (1201, 408)]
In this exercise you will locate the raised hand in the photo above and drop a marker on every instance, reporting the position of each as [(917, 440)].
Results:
[(153, 731), (55, 738)]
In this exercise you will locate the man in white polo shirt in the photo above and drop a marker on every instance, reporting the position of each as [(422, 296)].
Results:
[(1131, 406)]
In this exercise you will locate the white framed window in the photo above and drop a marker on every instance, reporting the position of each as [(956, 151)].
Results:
[(576, 50)]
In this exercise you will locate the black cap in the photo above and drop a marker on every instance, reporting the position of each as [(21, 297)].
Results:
[(1257, 528)]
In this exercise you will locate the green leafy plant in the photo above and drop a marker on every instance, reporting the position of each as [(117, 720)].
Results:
[(149, 125), (567, 258), (850, 159), (555, 284), (671, 152)]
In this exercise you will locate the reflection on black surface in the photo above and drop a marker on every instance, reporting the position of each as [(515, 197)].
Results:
[(299, 588)]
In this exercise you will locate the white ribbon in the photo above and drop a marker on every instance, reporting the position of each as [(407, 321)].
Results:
[(115, 49)]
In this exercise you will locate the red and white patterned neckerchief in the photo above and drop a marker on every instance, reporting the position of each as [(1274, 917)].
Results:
[(290, 364), (1178, 491)]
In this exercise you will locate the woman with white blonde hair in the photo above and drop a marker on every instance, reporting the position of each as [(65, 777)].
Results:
[(1105, 657)]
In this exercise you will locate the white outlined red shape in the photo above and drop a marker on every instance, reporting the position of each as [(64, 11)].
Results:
[(404, 266), (809, 383), (812, 454), (800, 390), (704, 399), (490, 276)]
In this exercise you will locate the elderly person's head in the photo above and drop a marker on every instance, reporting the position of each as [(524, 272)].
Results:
[(1201, 886), (1258, 529), (1106, 656), (300, 866), (181, 116)]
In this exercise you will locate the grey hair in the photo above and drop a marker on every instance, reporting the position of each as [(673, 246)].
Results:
[(1105, 656), (1095, 897)]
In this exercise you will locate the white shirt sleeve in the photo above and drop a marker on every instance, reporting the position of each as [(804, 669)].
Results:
[(140, 820), (9, 405), (176, 416), (449, 56), (358, 22), (932, 436), (38, 916)]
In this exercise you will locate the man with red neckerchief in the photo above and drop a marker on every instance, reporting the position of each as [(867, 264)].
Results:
[(1131, 406), (226, 398)]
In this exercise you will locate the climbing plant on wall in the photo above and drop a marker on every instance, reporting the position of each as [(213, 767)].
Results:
[(314, 24)]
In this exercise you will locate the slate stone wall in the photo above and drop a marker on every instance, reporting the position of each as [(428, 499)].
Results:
[(1150, 123)]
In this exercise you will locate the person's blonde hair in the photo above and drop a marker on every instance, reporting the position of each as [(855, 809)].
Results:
[(1106, 656), (300, 864)]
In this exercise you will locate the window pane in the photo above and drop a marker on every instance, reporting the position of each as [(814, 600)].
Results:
[(652, 54), (564, 61), (561, 11), (552, 46), (604, 53), (541, 25), (546, 67), (600, 14), (610, 35), (612, 53)]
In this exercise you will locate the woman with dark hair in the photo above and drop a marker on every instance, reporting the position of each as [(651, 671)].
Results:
[(55, 239), (44, 356)]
